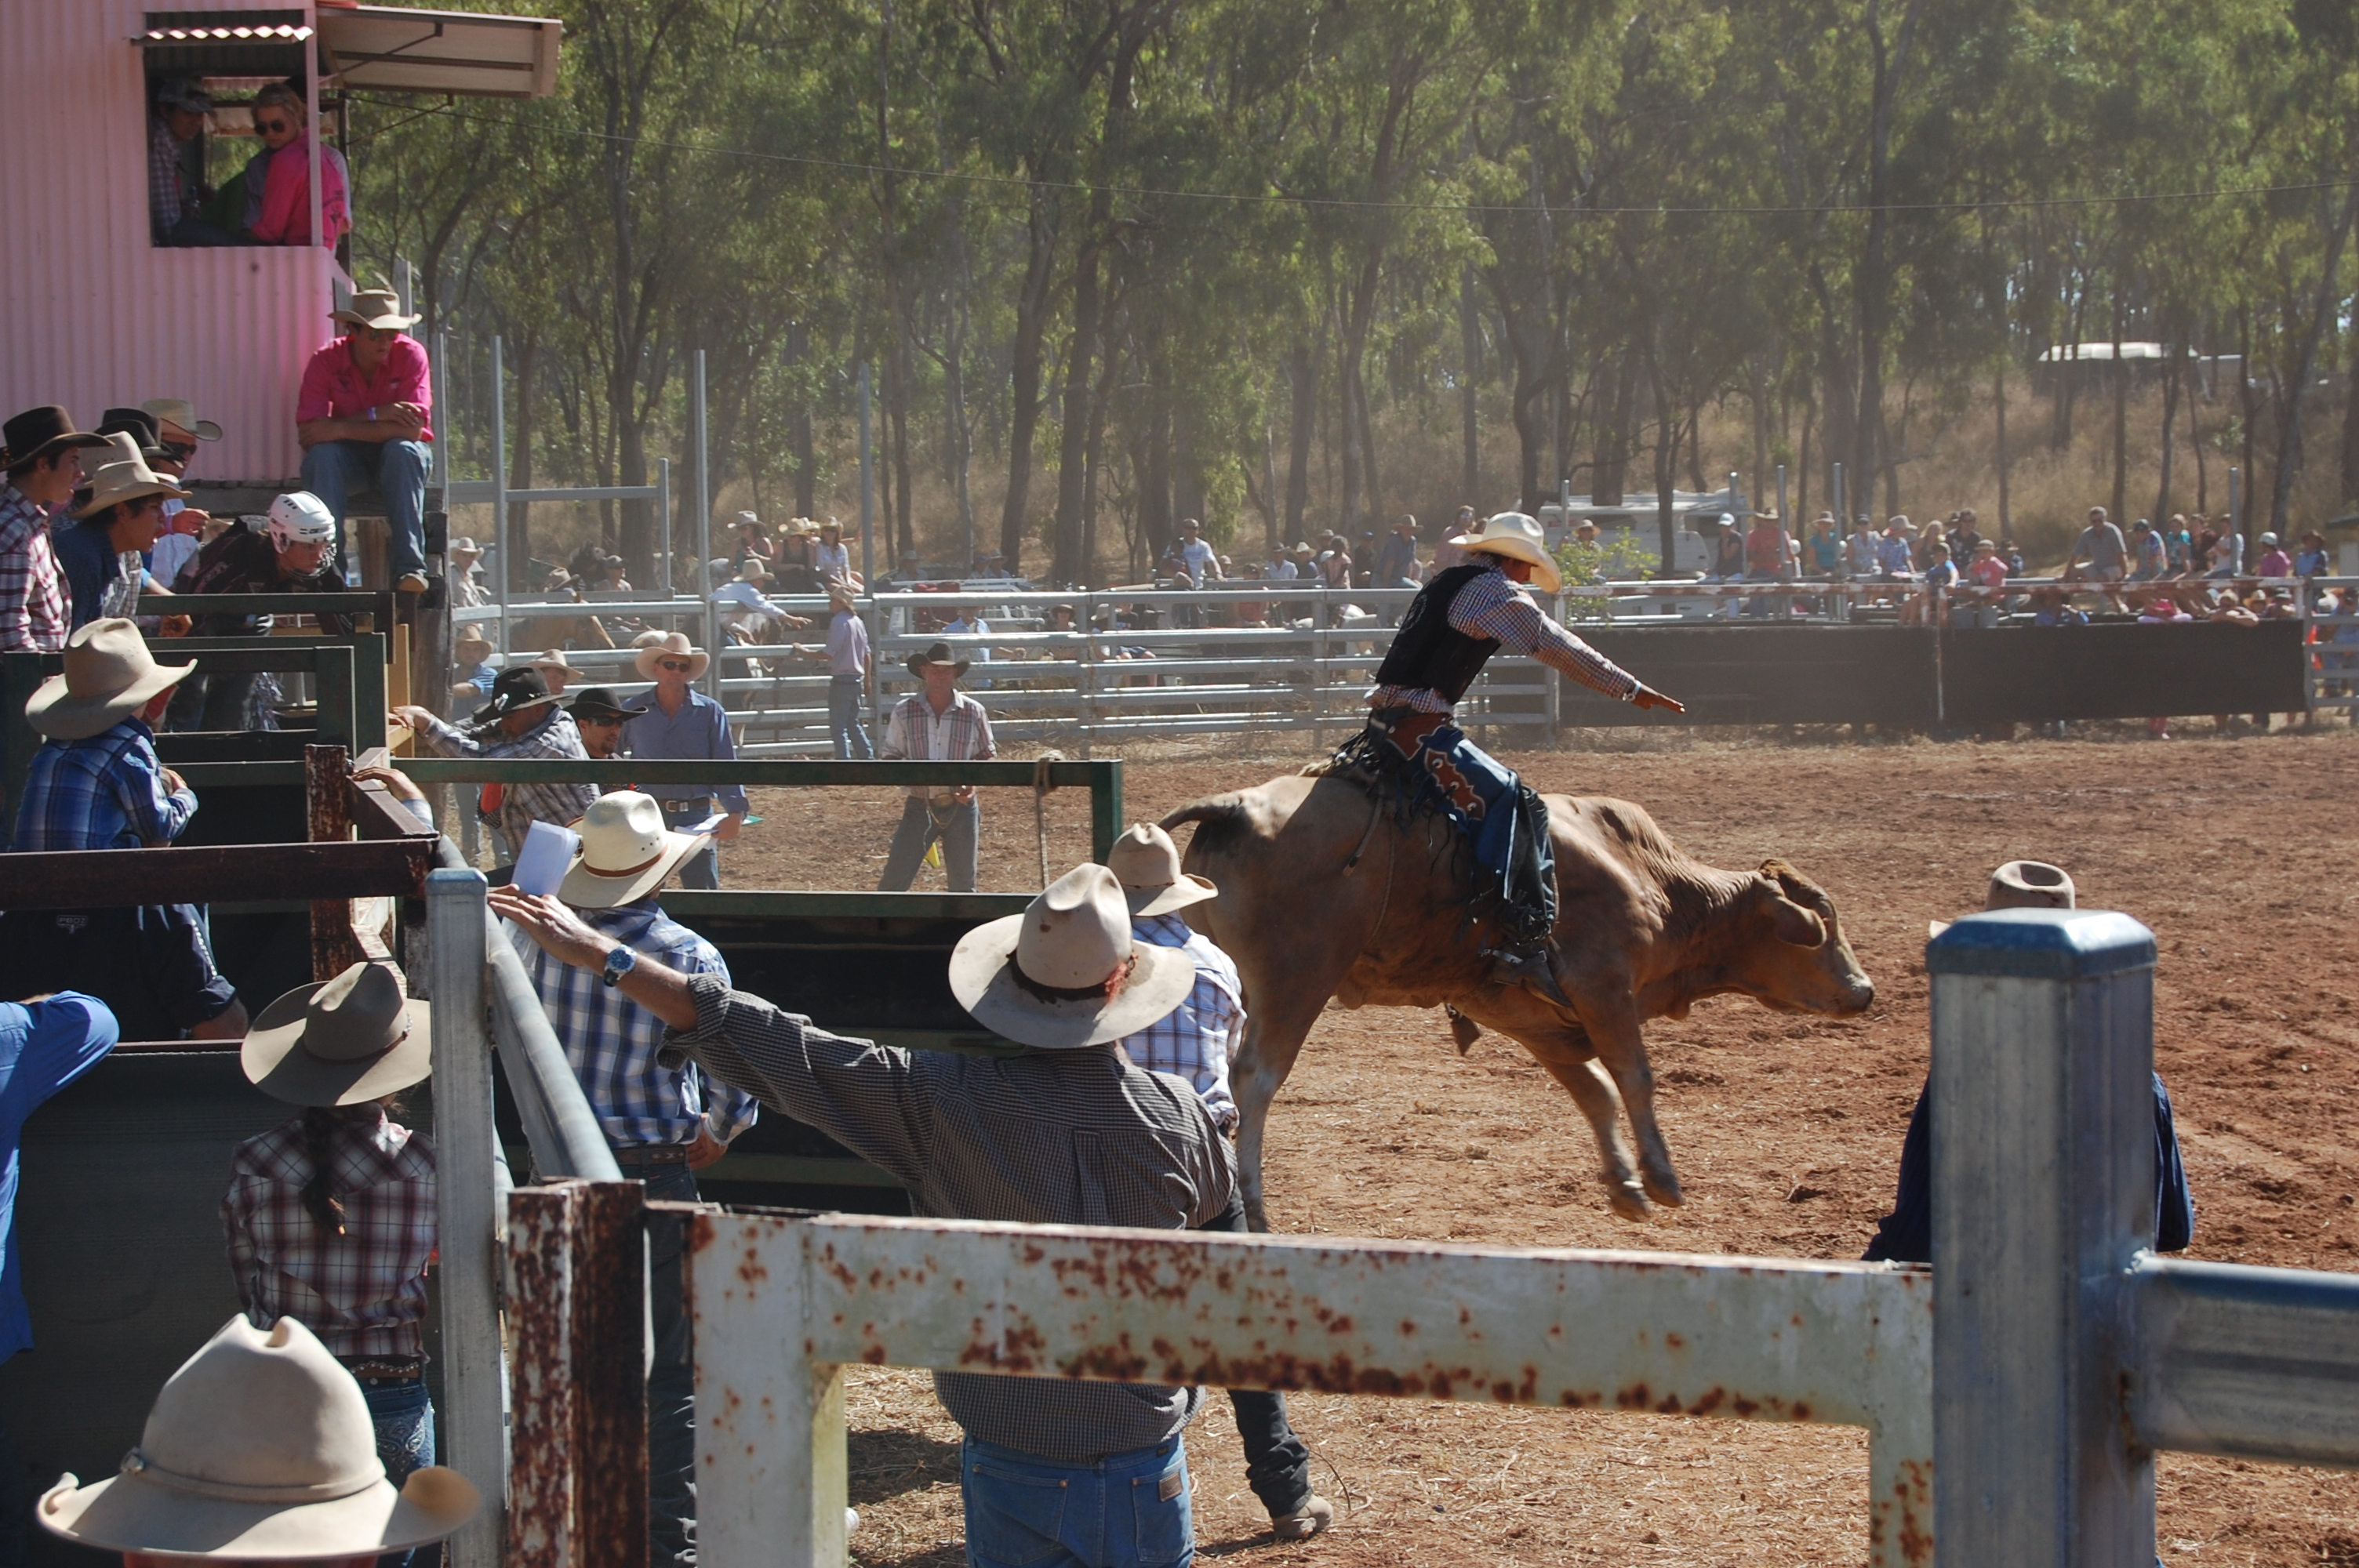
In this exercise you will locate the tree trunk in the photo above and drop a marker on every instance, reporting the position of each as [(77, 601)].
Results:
[(1031, 324), (1074, 441), (1302, 383), (2313, 338), (2350, 427), (1470, 370), (2172, 364), (799, 431), (519, 546), (1998, 402), (1874, 281), (2121, 407), (1612, 394)]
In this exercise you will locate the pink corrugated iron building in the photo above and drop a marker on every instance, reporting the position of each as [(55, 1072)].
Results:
[(93, 312)]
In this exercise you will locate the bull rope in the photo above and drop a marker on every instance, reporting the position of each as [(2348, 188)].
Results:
[(1041, 785), (1376, 815)]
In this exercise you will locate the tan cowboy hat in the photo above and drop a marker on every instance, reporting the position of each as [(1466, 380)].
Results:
[(179, 411), (626, 851), (1147, 863), (260, 1447), (555, 660), (748, 520), (1067, 973), (840, 592), (827, 523), (1300, 548), (753, 570), (669, 644), (342, 1041), (464, 546), (1518, 537), (2021, 884), (122, 474), (649, 638), (109, 676), (376, 307)]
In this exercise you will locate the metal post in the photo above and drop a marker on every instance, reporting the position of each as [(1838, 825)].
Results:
[(443, 437), (2043, 1195), (663, 523), (714, 641), (1842, 509), (472, 1419), (867, 488), (500, 486), (1781, 496), (2236, 504), (1087, 675)]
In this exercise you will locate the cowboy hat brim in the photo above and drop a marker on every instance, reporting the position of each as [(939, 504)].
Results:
[(1190, 888), (140, 491), (492, 712), (646, 661), (393, 319), (60, 716), (585, 888), (917, 664), (276, 1063), (130, 1513), (1515, 547), (982, 978)]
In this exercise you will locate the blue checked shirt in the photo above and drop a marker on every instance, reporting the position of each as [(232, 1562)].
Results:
[(612, 1041), (1496, 606), (1192, 1041), (105, 793)]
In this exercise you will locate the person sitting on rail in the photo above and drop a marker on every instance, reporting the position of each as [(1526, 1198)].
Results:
[(830, 558), (1192, 1042), (98, 785), (939, 724), (471, 674), (521, 722), (259, 1451), (1069, 1131), (329, 1216), (666, 1120), (1906, 1235), (289, 555), (464, 556), (362, 419), (1453, 627), (743, 603)]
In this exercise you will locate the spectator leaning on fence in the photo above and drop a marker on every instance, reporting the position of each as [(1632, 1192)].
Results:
[(2273, 561), (1069, 1131), (329, 1216), (361, 417), (940, 724), (180, 432), (520, 723), (2150, 557), (665, 1120), (103, 555), (42, 456), (289, 554)]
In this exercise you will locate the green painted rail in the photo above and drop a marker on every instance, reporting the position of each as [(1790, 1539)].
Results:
[(377, 605)]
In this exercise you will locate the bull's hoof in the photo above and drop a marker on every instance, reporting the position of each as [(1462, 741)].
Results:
[(1629, 1201), (1463, 1030), (1664, 1188)]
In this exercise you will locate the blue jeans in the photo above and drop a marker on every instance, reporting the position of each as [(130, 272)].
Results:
[(847, 701), (404, 1416), (1505, 823), (1127, 1510), (956, 826), (700, 870), (333, 470)]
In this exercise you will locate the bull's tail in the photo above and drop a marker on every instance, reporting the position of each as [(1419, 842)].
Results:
[(1220, 819)]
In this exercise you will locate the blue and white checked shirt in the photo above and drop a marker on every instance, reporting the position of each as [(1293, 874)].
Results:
[(105, 793), (1496, 606), (612, 1041), (1192, 1042)]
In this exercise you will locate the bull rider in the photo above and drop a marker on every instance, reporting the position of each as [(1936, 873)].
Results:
[(1457, 621)]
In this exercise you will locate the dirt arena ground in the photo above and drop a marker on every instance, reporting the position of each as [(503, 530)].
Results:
[(1787, 1131)]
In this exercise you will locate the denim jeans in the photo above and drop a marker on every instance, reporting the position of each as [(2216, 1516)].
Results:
[(957, 826), (404, 1417), (671, 1380), (846, 702), (700, 870), (1127, 1510), (333, 470), (1278, 1465)]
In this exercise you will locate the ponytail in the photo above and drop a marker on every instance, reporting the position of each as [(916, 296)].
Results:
[(319, 1124)]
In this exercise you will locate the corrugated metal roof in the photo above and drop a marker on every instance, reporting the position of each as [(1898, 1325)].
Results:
[(393, 49)]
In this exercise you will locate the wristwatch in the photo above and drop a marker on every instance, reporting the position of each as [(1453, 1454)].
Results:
[(619, 962)]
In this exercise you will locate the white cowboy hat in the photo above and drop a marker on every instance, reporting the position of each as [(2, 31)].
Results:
[(748, 520), (179, 411), (464, 546), (109, 676), (649, 638), (342, 1041), (555, 660), (626, 851), (2022, 884), (1055, 976), (753, 570), (121, 473), (376, 307), (260, 1447), (669, 644), (1147, 863), (1518, 537)]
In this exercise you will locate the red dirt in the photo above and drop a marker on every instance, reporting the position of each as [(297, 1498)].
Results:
[(1786, 1130)]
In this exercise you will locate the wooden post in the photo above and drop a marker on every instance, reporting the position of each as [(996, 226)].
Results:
[(327, 774)]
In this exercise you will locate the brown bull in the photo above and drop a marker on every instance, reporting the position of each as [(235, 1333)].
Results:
[(1324, 895)]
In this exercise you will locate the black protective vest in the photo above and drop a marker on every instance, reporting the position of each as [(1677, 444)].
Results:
[(1428, 651)]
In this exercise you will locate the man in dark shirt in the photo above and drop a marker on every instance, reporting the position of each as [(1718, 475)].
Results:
[(1070, 1132), (291, 554)]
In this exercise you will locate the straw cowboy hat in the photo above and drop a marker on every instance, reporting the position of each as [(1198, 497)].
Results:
[(839, 592), (939, 654), (1066, 973), (669, 645), (748, 520), (464, 546), (555, 660), (125, 476), (342, 1041), (109, 676), (37, 433), (626, 851), (1518, 537), (260, 1447), (379, 307), (469, 636), (181, 413), (2021, 884), (753, 570), (1147, 863)]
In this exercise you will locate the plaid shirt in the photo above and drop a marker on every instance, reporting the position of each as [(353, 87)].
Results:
[(908, 736), (363, 1292), (104, 793), (1494, 605), (612, 1041), (1192, 1040), (1040, 1138), (168, 197), (521, 805), (32, 589)]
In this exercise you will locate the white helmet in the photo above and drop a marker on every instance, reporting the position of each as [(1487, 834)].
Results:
[(299, 517)]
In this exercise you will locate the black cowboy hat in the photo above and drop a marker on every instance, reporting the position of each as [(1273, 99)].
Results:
[(513, 691), (596, 702), (140, 423), (939, 654), (38, 432)]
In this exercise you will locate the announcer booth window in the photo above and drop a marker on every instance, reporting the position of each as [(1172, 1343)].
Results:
[(210, 77)]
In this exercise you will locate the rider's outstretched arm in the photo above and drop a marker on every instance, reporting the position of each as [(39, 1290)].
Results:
[(1492, 606)]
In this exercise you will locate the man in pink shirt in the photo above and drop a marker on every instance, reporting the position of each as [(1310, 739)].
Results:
[(362, 419)]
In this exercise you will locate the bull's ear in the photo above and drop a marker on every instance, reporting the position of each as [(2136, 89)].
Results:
[(1796, 925)]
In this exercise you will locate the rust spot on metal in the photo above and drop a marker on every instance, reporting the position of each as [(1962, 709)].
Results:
[(700, 1232), (1407, 1327), (1675, 1342), (1634, 1398)]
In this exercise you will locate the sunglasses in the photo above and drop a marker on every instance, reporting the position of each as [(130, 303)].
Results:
[(603, 721), (674, 664), (273, 127), (181, 452)]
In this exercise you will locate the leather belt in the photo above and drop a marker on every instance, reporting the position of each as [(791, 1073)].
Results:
[(397, 1368), (653, 1154)]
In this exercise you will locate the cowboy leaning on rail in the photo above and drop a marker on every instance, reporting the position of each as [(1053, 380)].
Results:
[(1462, 618)]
